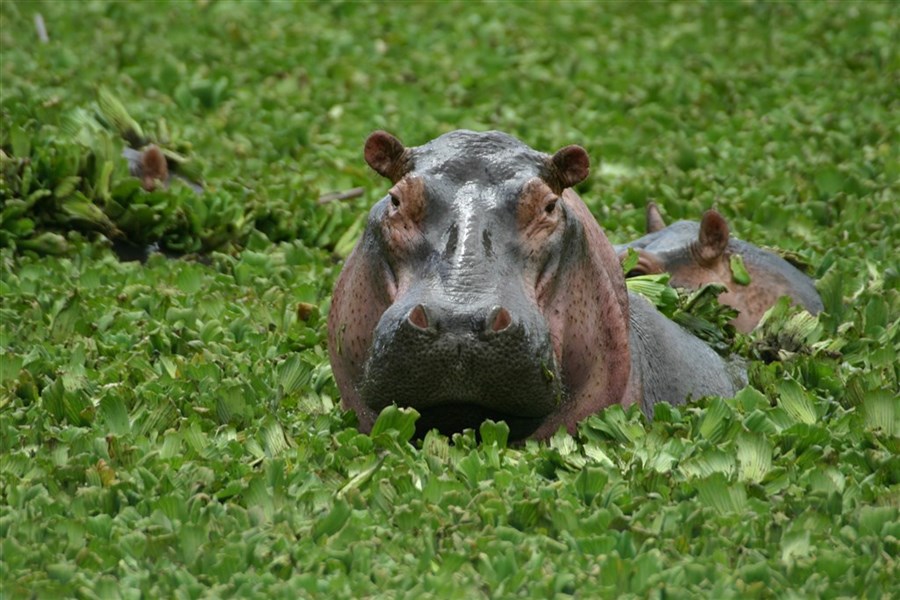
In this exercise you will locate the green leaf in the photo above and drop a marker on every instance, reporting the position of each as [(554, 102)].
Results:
[(10, 363), (472, 468), (795, 545), (872, 519), (293, 374), (115, 414), (738, 271), (724, 497), (596, 454), (881, 411), (191, 538), (52, 399), (113, 109), (232, 407), (717, 421), (437, 446), (361, 477), (796, 402), (258, 497), (21, 143), (169, 366), (834, 564), (707, 463), (333, 520), (831, 290), (750, 399), (590, 483), (102, 185), (754, 454), (400, 421), (702, 315), (189, 281), (631, 260), (494, 433), (614, 423), (46, 243), (525, 515), (196, 438), (65, 187), (656, 289), (274, 440)]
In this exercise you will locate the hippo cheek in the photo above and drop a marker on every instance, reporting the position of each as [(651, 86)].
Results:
[(457, 369)]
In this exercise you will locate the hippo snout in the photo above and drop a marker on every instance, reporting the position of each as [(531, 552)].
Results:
[(458, 367)]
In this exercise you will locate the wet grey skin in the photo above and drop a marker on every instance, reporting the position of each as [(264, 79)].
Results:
[(482, 288)]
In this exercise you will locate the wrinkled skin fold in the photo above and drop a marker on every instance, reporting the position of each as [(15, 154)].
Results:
[(483, 288)]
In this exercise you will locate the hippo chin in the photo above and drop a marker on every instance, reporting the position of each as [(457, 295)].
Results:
[(483, 288), (695, 254)]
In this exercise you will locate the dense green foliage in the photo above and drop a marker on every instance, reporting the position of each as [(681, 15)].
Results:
[(172, 429)]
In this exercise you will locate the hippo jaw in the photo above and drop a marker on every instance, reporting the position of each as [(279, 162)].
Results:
[(458, 369)]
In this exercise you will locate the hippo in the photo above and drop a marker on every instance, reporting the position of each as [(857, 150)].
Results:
[(155, 169), (482, 288), (699, 253), (151, 166)]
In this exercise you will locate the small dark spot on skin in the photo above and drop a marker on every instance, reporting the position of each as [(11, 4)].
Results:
[(453, 234), (486, 241)]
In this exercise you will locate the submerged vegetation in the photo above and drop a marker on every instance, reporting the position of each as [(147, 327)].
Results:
[(171, 428)]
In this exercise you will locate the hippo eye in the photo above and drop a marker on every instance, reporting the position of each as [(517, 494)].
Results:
[(395, 201), (550, 207)]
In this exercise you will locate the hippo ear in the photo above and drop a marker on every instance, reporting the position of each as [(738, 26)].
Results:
[(568, 167), (654, 219), (713, 237), (387, 155)]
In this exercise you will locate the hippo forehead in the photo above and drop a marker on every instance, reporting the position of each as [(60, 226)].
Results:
[(488, 160)]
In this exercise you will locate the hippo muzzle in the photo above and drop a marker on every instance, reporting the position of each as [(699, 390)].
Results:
[(458, 366)]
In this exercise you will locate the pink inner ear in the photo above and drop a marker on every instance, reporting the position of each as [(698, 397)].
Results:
[(713, 234)]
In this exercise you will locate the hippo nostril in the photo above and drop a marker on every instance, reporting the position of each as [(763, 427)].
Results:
[(499, 319), (418, 317)]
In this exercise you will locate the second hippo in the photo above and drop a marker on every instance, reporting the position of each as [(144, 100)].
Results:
[(482, 288), (695, 254)]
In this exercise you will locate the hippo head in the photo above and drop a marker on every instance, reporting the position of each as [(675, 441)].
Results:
[(695, 254), (452, 301)]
